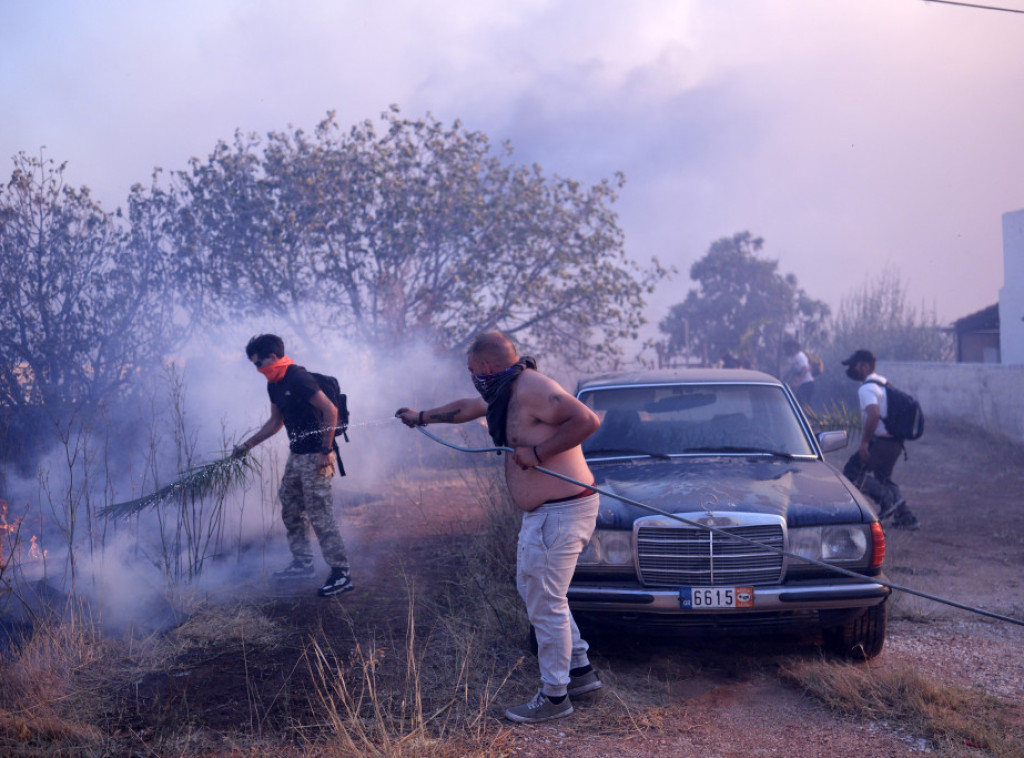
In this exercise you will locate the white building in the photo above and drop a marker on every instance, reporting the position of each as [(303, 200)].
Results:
[(1011, 296)]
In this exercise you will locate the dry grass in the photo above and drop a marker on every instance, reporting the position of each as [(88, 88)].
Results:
[(484, 590), (391, 699), (951, 717), (220, 626), (834, 416), (41, 700), (432, 691)]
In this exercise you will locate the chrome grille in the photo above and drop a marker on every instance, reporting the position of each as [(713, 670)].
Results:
[(689, 556)]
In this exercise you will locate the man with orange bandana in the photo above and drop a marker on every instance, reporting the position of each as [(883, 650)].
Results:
[(308, 415)]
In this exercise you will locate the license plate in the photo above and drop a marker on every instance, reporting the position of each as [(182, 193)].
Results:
[(698, 598)]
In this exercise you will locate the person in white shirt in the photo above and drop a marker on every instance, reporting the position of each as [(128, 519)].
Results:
[(798, 372)]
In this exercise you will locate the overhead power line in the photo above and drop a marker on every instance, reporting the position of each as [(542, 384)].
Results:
[(974, 5)]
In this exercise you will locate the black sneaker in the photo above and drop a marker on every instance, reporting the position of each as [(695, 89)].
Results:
[(295, 570), (905, 519), (336, 583), (887, 510), (908, 522)]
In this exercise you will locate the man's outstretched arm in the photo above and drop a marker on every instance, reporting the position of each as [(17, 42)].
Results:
[(456, 412)]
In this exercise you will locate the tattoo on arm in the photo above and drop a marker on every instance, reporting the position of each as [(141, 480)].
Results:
[(446, 418)]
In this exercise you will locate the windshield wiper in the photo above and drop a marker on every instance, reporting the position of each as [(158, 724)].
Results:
[(627, 451), (741, 449)]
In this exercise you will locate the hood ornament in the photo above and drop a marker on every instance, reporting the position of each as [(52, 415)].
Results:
[(710, 503)]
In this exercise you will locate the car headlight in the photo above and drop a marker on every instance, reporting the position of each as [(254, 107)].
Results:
[(608, 547), (840, 543), (847, 543)]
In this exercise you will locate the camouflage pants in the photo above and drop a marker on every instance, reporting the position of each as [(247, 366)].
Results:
[(306, 501)]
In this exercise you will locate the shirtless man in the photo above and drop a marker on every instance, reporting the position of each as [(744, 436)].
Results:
[(544, 425)]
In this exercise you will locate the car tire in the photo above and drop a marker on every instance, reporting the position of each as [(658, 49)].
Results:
[(860, 639)]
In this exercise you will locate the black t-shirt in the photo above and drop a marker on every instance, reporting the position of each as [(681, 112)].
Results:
[(292, 397)]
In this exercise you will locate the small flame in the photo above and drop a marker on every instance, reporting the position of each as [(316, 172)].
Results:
[(34, 551), (6, 529), (4, 526), (10, 542)]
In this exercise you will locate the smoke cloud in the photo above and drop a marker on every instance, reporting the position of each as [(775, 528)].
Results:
[(133, 573)]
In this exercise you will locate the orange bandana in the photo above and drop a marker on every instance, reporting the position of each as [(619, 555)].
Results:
[(276, 370)]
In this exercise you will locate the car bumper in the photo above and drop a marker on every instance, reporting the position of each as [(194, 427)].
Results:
[(608, 598)]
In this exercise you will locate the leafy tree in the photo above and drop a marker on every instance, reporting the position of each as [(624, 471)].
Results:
[(742, 306), (419, 232), (81, 298)]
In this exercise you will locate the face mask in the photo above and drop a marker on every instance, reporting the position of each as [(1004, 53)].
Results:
[(853, 373), (275, 371), (484, 383)]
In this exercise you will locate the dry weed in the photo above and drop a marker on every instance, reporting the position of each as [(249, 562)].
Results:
[(40, 700), (950, 716), (388, 700), (485, 588), (220, 626)]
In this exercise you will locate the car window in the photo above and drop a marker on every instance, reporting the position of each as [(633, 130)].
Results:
[(694, 419)]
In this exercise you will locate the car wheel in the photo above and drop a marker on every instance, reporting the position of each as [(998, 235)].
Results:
[(860, 639)]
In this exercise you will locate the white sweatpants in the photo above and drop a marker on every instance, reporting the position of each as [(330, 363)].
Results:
[(550, 540)]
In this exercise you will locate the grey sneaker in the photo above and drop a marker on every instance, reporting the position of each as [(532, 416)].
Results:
[(295, 570), (584, 683), (337, 582), (539, 709)]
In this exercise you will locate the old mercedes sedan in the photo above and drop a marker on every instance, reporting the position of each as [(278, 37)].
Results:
[(720, 513)]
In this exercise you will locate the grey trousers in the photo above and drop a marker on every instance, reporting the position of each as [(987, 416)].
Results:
[(550, 540)]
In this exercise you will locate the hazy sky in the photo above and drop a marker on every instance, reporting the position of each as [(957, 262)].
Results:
[(850, 134)]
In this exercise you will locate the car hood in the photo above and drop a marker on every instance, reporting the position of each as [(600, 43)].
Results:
[(805, 493)]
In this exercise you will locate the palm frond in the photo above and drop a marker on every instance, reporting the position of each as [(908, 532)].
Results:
[(209, 479)]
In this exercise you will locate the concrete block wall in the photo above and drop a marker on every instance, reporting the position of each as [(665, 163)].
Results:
[(987, 394)]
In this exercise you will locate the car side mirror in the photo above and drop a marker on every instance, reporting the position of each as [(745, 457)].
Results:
[(834, 440)]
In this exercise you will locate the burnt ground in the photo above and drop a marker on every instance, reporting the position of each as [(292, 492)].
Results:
[(241, 677)]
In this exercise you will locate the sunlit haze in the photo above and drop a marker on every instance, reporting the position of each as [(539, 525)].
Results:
[(851, 134)]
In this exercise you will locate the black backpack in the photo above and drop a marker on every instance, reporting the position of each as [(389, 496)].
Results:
[(904, 418), (330, 387)]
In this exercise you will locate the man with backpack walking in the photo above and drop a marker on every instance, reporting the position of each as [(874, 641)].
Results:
[(870, 468), (298, 403)]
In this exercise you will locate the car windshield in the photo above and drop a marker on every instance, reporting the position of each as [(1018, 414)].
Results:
[(694, 419)]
